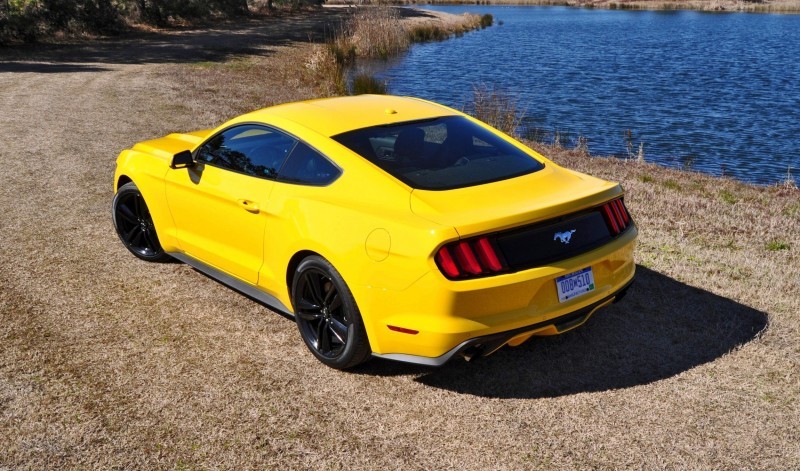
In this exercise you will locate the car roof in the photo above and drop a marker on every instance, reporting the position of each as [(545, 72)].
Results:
[(332, 116)]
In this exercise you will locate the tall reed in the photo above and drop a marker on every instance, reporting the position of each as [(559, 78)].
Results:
[(496, 108), (377, 33)]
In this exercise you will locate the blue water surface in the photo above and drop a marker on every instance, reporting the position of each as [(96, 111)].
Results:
[(717, 93)]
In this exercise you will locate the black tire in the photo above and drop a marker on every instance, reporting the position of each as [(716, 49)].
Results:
[(327, 315), (135, 226)]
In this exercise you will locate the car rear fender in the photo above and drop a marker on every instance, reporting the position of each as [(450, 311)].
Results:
[(367, 251), (374, 243)]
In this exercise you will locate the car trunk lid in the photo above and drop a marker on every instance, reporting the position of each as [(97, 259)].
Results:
[(550, 193)]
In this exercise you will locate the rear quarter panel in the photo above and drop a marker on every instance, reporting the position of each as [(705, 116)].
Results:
[(363, 227)]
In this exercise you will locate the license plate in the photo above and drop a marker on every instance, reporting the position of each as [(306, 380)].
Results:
[(575, 284)]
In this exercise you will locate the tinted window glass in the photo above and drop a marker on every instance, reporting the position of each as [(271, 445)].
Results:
[(440, 154), (250, 149), (307, 166)]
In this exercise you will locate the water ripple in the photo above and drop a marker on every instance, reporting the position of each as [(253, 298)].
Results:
[(719, 93)]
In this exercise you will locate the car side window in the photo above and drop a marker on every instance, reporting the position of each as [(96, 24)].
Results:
[(250, 149), (306, 166)]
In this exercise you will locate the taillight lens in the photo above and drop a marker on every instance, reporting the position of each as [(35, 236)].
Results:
[(616, 216), (446, 263), (470, 259)]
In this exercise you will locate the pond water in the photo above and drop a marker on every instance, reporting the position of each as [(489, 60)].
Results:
[(717, 93)]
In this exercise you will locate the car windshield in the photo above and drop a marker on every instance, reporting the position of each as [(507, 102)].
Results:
[(440, 154)]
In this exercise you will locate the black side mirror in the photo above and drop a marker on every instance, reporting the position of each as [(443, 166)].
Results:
[(182, 159)]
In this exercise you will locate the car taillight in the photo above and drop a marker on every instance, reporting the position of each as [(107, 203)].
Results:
[(616, 216), (487, 255), (470, 259)]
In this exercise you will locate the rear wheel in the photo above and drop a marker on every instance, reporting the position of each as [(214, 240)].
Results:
[(327, 315), (135, 226)]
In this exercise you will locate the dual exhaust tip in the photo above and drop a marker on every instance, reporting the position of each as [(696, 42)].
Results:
[(485, 346)]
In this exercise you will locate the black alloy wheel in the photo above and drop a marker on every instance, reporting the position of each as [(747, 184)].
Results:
[(135, 226), (327, 315)]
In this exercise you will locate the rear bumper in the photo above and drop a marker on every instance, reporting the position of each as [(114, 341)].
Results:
[(488, 344), (438, 318)]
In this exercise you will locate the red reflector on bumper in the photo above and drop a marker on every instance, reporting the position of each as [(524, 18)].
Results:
[(402, 330)]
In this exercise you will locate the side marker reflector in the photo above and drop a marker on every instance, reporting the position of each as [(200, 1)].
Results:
[(402, 330)]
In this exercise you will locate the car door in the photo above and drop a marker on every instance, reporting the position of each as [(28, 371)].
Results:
[(218, 204)]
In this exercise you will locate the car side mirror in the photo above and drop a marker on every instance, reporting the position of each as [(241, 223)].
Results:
[(182, 159)]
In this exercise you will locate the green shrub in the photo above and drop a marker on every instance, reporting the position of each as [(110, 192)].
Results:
[(27, 20), (792, 210), (775, 245), (728, 197), (19, 24)]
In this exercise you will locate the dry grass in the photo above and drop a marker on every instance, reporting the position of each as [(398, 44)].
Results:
[(445, 26), (367, 84), (371, 32), (780, 6), (110, 362), (327, 70), (497, 108), (379, 32)]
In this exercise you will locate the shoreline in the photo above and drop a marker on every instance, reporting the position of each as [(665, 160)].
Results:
[(789, 7), (225, 58)]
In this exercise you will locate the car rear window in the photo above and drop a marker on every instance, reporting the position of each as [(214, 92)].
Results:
[(440, 154)]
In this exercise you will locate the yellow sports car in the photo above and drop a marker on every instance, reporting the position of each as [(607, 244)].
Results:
[(387, 226)]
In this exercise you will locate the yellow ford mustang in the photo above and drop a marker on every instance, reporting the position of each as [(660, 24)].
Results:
[(389, 227)]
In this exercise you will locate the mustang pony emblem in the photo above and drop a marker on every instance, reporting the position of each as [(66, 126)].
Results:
[(564, 237)]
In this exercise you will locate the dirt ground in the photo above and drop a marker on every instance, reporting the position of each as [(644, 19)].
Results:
[(109, 362)]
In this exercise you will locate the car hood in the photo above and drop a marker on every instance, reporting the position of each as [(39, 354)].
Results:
[(548, 193)]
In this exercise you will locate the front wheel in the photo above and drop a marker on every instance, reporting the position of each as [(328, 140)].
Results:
[(327, 315), (135, 226)]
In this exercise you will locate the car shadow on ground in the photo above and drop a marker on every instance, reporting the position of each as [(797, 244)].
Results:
[(662, 328)]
